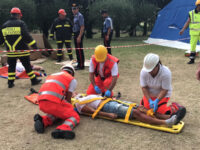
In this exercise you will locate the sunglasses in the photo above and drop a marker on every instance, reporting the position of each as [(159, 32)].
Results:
[(74, 8)]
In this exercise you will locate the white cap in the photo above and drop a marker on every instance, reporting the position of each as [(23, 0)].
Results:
[(69, 68), (150, 62)]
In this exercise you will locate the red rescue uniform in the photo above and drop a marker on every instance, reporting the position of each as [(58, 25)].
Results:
[(52, 101), (103, 82)]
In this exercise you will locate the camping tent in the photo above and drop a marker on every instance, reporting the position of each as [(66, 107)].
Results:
[(169, 22)]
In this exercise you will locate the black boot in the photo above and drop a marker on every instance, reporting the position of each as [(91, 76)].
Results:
[(11, 84), (192, 58), (63, 134), (71, 57), (59, 58), (191, 61), (35, 81), (39, 125)]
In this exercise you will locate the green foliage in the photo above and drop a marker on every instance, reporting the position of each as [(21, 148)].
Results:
[(126, 14)]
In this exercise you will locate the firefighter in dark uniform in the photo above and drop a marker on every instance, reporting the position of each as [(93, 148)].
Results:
[(107, 30), (15, 36), (63, 28), (78, 30)]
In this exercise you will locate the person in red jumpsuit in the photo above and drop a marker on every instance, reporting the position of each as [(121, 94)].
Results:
[(55, 100), (103, 72)]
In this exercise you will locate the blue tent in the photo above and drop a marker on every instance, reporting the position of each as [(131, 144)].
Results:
[(171, 19)]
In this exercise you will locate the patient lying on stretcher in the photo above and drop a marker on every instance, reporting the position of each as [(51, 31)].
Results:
[(114, 110)]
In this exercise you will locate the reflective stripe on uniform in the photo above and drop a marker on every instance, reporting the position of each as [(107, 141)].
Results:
[(11, 73), (67, 25), (73, 120), (69, 53), (57, 82), (194, 29), (31, 75), (59, 54), (69, 124), (16, 42), (59, 41), (11, 31), (51, 34), (193, 16), (11, 78), (52, 93), (17, 55), (9, 46), (53, 118), (58, 26), (31, 43), (67, 41)]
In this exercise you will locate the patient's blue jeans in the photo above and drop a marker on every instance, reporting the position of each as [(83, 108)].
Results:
[(117, 108)]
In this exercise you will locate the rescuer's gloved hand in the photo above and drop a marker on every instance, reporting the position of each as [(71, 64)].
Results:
[(108, 93), (155, 105), (151, 103), (97, 90)]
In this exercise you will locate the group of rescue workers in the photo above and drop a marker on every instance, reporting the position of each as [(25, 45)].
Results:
[(55, 94)]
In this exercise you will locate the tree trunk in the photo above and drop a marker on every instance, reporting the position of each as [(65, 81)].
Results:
[(145, 29), (132, 31), (89, 34), (45, 29), (117, 31)]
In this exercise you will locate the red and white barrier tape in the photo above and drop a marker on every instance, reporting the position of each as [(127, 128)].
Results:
[(123, 46)]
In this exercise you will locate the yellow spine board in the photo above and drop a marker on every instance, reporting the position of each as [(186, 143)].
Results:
[(174, 129)]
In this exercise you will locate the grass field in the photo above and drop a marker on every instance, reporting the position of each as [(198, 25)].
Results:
[(16, 120)]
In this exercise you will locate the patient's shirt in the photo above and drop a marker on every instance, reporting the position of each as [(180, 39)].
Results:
[(19, 67), (93, 104)]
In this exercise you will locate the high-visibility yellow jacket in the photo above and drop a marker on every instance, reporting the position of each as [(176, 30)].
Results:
[(15, 36), (195, 22)]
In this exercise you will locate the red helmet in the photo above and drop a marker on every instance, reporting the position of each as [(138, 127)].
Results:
[(62, 11), (16, 10)]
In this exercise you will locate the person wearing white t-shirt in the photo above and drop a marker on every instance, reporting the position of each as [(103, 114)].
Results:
[(103, 72), (155, 80)]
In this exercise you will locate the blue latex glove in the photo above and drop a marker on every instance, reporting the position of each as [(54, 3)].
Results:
[(97, 90), (75, 109), (155, 105), (108, 93), (151, 103)]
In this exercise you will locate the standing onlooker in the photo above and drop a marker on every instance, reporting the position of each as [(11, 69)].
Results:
[(194, 23), (107, 30), (14, 34), (78, 30), (63, 28)]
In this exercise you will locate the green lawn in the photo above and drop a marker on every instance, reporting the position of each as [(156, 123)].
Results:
[(16, 121)]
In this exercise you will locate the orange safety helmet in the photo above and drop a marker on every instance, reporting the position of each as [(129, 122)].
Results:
[(197, 2), (16, 10), (62, 11)]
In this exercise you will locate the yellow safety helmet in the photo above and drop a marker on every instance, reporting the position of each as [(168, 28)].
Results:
[(197, 2), (100, 53)]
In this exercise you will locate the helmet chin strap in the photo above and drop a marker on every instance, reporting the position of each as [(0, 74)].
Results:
[(69, 71)]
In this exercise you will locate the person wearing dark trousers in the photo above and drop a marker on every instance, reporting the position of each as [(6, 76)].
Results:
[(63, 28), (15, 36), (107, 30), (78, 30)]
